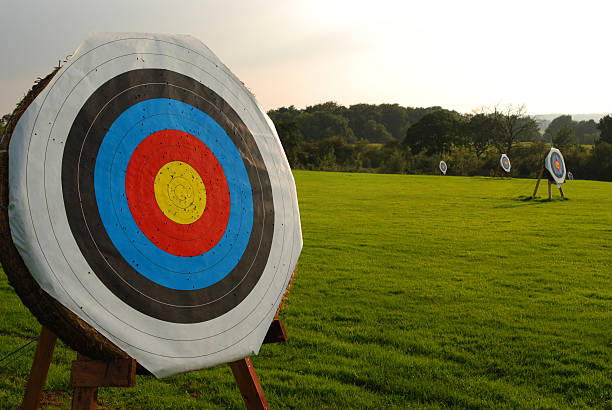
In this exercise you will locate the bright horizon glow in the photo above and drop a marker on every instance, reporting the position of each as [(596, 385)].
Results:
[(550, 56)]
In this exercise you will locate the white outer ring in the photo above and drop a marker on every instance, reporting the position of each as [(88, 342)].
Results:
[(39, 225), (548, 166)]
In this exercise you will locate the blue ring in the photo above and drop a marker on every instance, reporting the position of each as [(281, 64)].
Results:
[(552, 164), (125, 134)]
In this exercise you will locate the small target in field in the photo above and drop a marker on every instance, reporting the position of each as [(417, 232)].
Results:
[(443, 167), (504, 161), (555, 165)]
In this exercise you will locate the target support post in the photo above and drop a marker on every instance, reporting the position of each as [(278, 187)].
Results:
[(40, 369), (535, 191), (549, 189), (87, 375), (248, 383)]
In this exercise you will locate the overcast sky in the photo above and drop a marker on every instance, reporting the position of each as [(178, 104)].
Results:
[(553, 56)]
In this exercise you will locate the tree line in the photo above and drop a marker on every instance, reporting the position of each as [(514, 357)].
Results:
[(389, 138)]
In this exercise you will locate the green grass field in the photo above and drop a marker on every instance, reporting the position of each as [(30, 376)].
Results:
[(412, 291)]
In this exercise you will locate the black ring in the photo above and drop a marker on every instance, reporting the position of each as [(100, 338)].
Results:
[(554, 155), (78, 164)]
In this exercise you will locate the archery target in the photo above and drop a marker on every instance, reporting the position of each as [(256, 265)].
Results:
[(555, 165), (150, 195), (443, 167), (504, 161)]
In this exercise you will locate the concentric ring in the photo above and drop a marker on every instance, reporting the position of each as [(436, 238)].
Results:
[(179, 192), (143, 169), (555, 165), (505, 162), (159, 283)]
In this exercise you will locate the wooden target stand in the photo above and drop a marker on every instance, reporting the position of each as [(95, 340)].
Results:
[(549, 185), (499, 173), (87, 375)]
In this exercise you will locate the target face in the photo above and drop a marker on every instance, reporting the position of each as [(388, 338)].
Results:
[(153, 199), (556, 165), (443, 167), (504, 161)]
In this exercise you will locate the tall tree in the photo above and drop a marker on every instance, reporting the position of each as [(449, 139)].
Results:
[(605, 127), (557, 124), (291, 139), (586, 132), (359, 115), (434, 133), (414, 114), (512, 125), (322, 124), (395, 119), (602, 161), (284, 114), (564, 137), (478, 132), (376, 132), (329, 106)]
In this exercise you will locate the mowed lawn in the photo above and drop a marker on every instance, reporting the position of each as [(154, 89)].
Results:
[(412, 291)]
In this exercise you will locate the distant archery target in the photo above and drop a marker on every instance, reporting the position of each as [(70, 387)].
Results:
[(443, 167), (504, 161), (556, 165), (154, 200)]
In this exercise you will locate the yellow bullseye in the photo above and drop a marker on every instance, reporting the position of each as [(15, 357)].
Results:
[(180, 192)]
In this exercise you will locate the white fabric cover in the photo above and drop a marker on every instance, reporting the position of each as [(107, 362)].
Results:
[(40, 229)]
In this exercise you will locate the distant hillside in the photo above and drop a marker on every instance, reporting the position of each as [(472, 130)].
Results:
[(545, 119)]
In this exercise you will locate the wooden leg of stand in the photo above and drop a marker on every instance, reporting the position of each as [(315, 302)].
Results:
[(549, 191), (87, 375), (85, 398), (40, 369), (561, 192), (535, 191), (248, 383)]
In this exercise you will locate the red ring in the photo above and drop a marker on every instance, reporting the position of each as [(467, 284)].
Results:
[(151, 154)]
